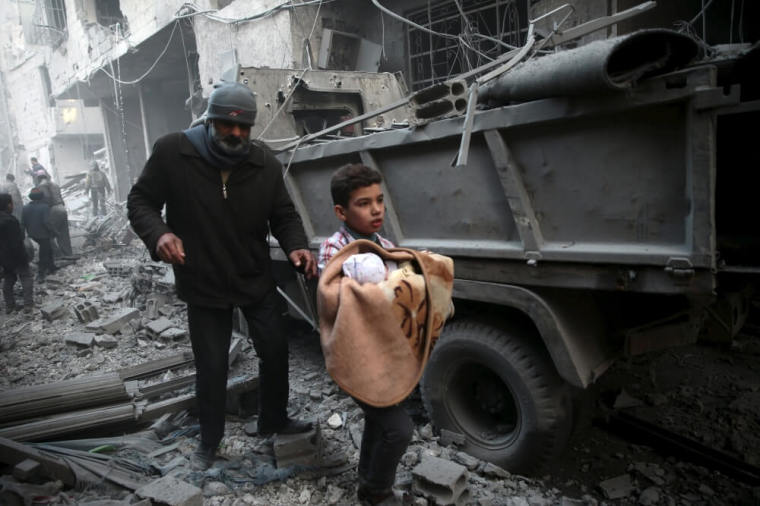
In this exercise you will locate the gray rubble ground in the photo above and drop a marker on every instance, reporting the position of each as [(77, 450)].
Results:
[(598, 468)]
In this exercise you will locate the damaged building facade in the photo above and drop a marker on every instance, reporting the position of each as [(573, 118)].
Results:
[(84, 78)]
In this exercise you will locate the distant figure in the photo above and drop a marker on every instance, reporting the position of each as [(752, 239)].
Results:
[(13, 257), (10, 187), (98, 186), (37, 224), (59, 218), (37, 171)]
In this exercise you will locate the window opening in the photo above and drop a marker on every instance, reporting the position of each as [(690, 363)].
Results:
[(50, 22), (108, 13), (488, 29)]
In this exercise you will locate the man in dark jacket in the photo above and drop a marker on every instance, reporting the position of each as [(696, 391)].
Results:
[(36, 216), (98, 186), (223, 195), (10, 187), (59, 217), (13, 257)]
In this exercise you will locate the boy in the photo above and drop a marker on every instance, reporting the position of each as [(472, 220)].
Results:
[(358, 203), (13, 257), (36, 217)]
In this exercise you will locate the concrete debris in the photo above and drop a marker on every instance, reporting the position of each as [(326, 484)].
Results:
[(441, 480), (53, 310), (618, 487), (26, 470), (86, 312), (80, 339), (335, 421), (155, 327), (117, 320), (172, 492)]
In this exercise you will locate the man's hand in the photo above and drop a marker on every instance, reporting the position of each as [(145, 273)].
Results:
[(304, 261), (170, 249)]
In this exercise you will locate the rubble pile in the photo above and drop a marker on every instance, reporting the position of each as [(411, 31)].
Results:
[(107, 357), (109, 230)]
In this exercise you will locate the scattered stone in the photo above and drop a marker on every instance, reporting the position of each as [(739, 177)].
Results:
[(26, 469), (86, 312), (410, 458), (491, 469), (80, 339), (617, 487), (172, 492), (213, 488), (173, 334), (155, 327), (441, 480), (426, 431), (315, 395), (117, 320), (53, 310), (106, 341), (650, 496), (466, 460), (335, 421), (449, 438)]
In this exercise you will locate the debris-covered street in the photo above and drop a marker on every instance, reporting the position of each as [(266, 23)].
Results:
[(111, 319)]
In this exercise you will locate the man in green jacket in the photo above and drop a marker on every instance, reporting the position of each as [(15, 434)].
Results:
[(223, 194)]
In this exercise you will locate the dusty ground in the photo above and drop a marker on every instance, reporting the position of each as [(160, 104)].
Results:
[(706, 393)]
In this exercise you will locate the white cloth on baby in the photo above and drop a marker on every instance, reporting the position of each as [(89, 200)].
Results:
[(365, 268)]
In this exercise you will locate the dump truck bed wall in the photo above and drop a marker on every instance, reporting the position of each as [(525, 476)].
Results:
[(606, 192)]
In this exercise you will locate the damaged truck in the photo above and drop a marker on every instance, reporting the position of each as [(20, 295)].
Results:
[(595, 202)]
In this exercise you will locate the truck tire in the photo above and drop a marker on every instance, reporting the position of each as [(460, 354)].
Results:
[(497, 387)]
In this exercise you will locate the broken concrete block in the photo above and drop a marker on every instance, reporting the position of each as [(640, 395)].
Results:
[(106, 341), (86, 312), (173, 334), (335, 421), (172, 492), (155, 327), (80, 339), (26, 469), (112, 297), (441, 480), (94, 326), (118, 269), (53, 310), (617, 487), (304, 449), (113, 323), (451, 438)]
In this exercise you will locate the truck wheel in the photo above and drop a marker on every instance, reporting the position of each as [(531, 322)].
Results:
[(497, 387)]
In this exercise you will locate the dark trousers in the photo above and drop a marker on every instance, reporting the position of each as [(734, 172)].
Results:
[(387, 432), (210, 332), (59, 219), (98, 198), (45, 264), (24, 275)]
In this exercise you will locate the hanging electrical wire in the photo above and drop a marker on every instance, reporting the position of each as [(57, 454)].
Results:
[(150, 69), (189, 9)]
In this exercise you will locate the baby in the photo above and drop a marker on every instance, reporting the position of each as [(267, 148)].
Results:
[(367, 268)]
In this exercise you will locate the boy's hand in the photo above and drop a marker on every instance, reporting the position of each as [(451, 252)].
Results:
[(304, 262)]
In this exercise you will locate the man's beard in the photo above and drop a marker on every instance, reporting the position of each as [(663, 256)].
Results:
[(230, 144)]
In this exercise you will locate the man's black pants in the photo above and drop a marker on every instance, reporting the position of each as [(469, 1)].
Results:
[(210, 332), (45, 265), (387, 432)]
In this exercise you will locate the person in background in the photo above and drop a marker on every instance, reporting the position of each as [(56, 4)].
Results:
[(37, 171), (223, 195), (59, 217), (10, 187), (13, 258), (98, 186), (36, 216)]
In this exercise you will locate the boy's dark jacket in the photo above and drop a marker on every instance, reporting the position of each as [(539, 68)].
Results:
[(12, 252), (227, 258), (36, 217)]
